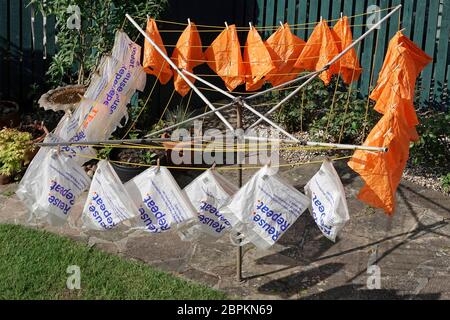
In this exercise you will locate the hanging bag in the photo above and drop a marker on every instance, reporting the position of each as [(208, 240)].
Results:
[(53, 187), (161, 204), (108, 203), (328, 203), (207, 193), (265, 208)]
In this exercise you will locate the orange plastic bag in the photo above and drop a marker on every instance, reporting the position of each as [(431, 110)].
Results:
[(284, 48), (395, 88), (225, 59), (319, 50), (154, 63), (350, 69), (394, 94), (382, 172), (187, 55), (403, 64), (402, 54), (257, 61)]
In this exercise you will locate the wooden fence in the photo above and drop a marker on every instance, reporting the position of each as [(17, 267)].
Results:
[(427, 22), (27, 39)]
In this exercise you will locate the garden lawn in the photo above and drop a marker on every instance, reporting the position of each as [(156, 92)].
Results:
[(33, 265)]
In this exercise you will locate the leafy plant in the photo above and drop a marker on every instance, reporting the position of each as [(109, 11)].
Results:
[(79, 51), (104, 153), (446, 182), (177, 115), (433, 147), (172, 117), (14, 146), (139, 118), (149, 157), (311, 112)]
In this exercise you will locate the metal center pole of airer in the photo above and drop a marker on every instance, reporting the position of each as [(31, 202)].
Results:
[(239, 277)]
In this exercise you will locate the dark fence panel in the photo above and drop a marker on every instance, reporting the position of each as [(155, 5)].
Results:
[(427, 22), (24, 56)]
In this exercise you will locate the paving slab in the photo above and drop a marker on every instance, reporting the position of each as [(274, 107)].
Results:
[(411, 249)]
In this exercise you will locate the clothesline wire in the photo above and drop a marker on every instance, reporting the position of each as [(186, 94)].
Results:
[(265, 27), (181, 146), (248, 62), (167, 106), (244, 46), (333, 101), (372, 72), (202, 143), (146, 102), (229, 168), (259, 29), (347, 104), (331, 111), (265, 104), (248, 93), (302, 108), (234, 75), (188, 104)]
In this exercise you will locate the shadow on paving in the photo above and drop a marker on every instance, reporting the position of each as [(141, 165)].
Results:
[(357, 292), (299, 283), (293, 284)]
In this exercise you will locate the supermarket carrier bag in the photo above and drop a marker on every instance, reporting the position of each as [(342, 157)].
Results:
[(328, 203), (52, 185), (108, 203), (208, 193), (265, 208), (161, 204)]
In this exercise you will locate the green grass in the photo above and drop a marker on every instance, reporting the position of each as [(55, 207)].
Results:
[(33, 265)]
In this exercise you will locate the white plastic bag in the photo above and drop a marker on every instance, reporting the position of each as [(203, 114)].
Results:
[(129, 53), (209, 192), (265, 208), (108, 95), (91, 121), (105, 102), (115, 77), (108, 202), (63, 181), (29, 187), (126, 50), (160, 201), (103, 121), (74, 128), (53, 187), (328, 203)]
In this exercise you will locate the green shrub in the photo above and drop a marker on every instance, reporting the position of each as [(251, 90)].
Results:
[(446, 182), (310, 111), (14, 146), (79, 51), (433, 147)]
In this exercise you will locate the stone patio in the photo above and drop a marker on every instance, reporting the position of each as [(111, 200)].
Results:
[(412, 249)]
